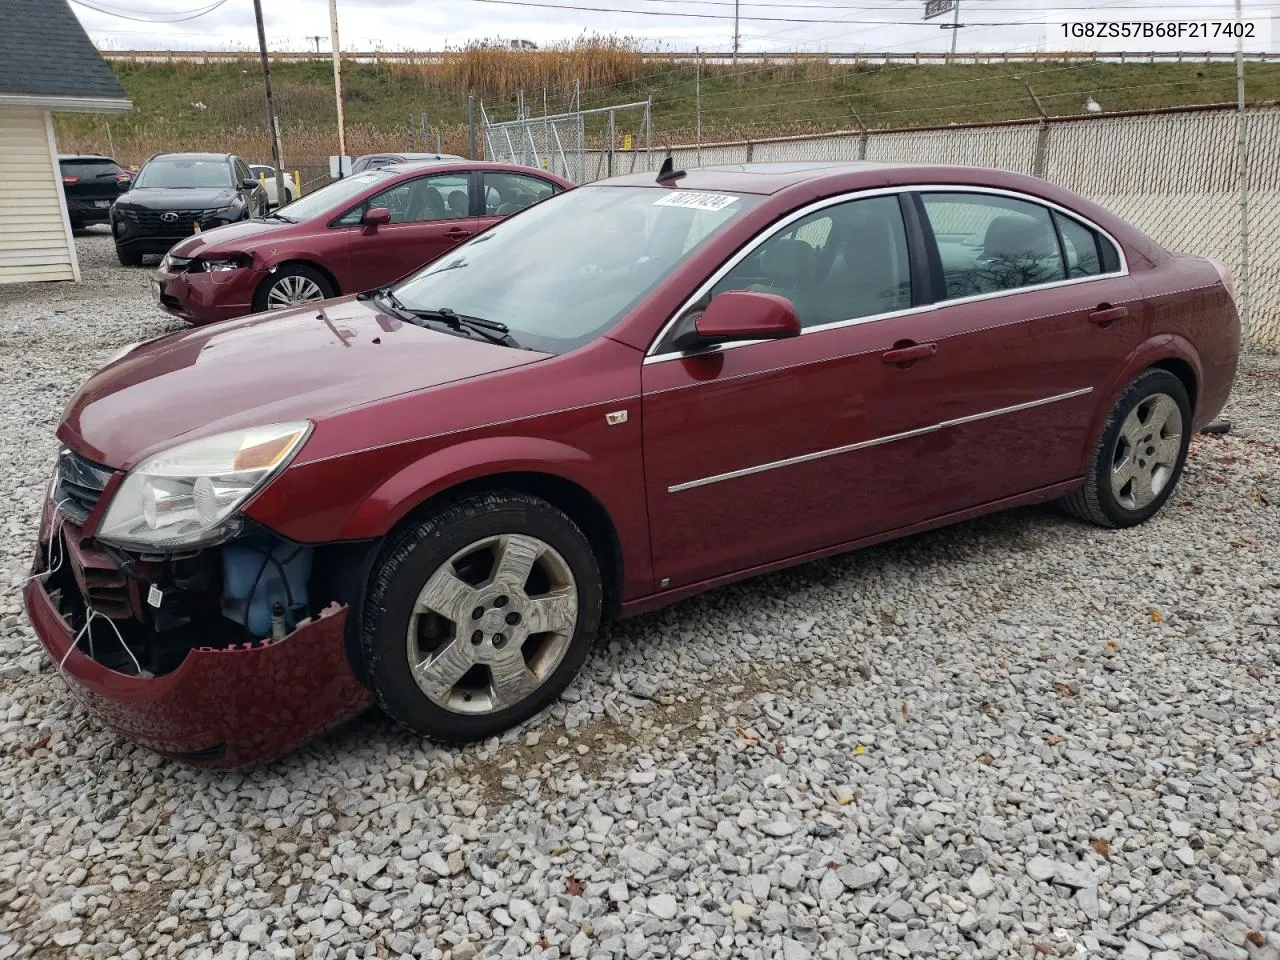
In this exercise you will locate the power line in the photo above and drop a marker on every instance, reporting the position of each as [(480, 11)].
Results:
[(699, 16), (181, 17)]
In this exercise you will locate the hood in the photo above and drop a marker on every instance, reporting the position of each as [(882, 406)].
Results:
[(301, 364), (178, 198), (243, 233)]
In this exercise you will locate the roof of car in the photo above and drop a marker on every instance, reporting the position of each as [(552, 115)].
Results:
[(195, 156), (85, 156), (763, 178)]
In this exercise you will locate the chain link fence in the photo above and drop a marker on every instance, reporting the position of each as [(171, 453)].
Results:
[(1174, 174)]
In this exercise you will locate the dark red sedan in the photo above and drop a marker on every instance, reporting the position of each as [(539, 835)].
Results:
[(429, 498), (359, 233)]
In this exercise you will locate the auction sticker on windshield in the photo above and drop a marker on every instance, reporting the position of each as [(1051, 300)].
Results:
[(696, 201)]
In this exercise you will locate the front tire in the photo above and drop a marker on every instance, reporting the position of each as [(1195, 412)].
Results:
[(292, 284), (479, 615), (1139, 457)]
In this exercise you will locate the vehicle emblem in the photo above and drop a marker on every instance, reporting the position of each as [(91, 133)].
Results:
[(615, 418), (168, 217)]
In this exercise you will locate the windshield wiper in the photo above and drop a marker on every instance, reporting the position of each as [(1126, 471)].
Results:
[(278, 216), (390, 304), (491, 330)]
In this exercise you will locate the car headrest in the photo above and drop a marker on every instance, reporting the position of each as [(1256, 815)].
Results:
[(791, 263)]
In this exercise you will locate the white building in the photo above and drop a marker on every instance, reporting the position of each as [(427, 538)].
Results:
[(47, 64)]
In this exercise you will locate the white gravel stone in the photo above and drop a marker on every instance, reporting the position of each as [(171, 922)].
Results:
[(919, 750)]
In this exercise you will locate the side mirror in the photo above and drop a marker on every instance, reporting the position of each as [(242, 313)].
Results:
[(375, 216), (124, 185), (747, 315), (250, 183)]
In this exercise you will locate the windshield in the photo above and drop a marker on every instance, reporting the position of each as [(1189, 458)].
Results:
[(185, 172), (333, 195), (564, 271)]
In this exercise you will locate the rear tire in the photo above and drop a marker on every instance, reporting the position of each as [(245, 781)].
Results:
[(1139, 457), (479, 615), (290, 285), (128, 258)]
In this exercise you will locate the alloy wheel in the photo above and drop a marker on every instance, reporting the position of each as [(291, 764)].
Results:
[(294, 289), (492, 623), (1146, 454)]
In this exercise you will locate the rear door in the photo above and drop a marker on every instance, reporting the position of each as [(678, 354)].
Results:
[(92, 181), (430, 215), (1035, 311)]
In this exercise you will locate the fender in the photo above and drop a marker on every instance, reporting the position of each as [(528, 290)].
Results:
[(422, 479), (1164, 346)]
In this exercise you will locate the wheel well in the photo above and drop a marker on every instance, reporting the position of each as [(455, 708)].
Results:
[(578, 503), (1184, 372)]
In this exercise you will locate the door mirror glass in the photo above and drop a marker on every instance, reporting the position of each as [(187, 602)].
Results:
[(249, 183), (376, 215), (747, 315)]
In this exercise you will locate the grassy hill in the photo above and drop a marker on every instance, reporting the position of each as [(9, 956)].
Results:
[(220, 106)]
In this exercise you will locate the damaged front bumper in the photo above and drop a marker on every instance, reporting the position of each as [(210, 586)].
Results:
[(232, 705)]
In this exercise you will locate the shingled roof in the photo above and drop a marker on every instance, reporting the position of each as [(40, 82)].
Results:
[(46, 56)]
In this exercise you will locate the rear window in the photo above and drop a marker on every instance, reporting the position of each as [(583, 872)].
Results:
[(89, 168)]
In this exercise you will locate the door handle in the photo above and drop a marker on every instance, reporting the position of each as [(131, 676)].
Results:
[(1105, 314), (457, 233), (905, 352)]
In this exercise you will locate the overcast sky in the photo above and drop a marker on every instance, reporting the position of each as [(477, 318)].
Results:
[(433, 24)]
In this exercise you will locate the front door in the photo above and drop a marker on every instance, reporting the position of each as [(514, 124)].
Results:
[(769, 450), (429, 217)]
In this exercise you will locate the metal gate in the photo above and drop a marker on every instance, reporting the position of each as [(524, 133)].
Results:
[(560, 142)]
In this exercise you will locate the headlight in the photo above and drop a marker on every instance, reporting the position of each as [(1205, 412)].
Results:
[(188, 495), (213, 266)]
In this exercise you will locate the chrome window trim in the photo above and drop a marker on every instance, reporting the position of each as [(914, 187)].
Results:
[(785, 222), (877, 441)]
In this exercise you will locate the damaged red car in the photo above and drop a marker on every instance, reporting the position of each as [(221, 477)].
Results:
[(431, 497)]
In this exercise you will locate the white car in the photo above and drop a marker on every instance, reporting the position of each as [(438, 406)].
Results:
[(268, 176)]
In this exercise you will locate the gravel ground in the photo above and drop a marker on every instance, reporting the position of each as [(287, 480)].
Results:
[(1019, 737)]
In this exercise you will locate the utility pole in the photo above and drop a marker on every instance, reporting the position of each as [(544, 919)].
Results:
[(273, 129), (317, 38), (735, 32), (955, 29), (337, 80)]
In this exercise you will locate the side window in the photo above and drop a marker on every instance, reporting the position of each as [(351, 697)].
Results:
[(838, 263), (990, 243), (508, 193), (242, 172), (442, 197), (1079, 248)]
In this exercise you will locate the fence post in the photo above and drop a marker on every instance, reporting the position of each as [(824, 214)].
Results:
[(697, 88), (750, 151), (612, 140), (580, 131), (862, 135), (1042, 131), (471, 126), (1242, 149)]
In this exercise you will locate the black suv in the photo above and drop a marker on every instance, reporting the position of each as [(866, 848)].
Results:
[(178, 194), (91, 184)]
